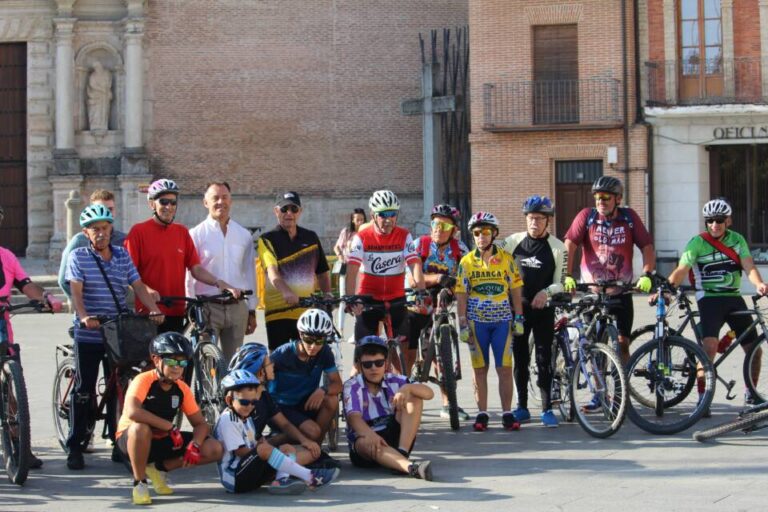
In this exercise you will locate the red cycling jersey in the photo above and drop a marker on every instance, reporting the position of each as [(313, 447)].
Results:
[(383, 259)]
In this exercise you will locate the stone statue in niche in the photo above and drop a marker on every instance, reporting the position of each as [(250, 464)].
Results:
[(99, 93)]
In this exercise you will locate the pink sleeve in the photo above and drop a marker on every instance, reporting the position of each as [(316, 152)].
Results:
[(640, 234), (578, 229), (12, 269)]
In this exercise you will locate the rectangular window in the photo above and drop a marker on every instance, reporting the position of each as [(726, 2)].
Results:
[(555, 74), (701, 49)]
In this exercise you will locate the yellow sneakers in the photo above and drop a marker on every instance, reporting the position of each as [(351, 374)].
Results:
[(159, 480), (141, 494)]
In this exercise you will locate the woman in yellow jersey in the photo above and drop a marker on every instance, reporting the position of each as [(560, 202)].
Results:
[(488, 280)]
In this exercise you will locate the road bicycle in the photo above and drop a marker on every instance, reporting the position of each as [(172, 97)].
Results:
[(663, 372), (749, 420), (208, 365), (15, 441)]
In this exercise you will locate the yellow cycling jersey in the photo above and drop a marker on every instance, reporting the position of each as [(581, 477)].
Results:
[(488, 285)]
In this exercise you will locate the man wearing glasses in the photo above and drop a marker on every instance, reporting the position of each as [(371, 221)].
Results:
[(163, 251), (293, 259), (607, 234), (717, 257)]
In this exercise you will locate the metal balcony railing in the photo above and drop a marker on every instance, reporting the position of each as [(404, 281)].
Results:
[(551, 104), (704, 81)]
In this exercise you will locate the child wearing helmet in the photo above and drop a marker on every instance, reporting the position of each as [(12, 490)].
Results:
[(250, 460), (146, 432), (383, 412), (489, 296)]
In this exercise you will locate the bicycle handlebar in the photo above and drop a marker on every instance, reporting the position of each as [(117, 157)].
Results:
[(40, 307), (168, 300)]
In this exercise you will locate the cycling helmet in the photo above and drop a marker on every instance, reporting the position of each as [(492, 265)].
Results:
[(171, 344), (538, 204), (608, 184), (481, 218), (238, 379), (379, 344), (249, 357), (716, 208), (445, 210), (383, 200), (160, 187), (315, 322), (94, 213)]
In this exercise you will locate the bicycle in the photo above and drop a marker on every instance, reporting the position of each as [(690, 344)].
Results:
[(749, 420), (663, 372), (439, 343), (15, 441), (208, 364)]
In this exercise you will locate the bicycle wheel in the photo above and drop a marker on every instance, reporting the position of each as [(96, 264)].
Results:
[(646, 333), (447, 373), (755, 366), (599, 391), (396, 359), (209, 370), (661, 400), (561, 384), (332, 436), (533, 373), (745, 423), (15, 422), (62, 389)]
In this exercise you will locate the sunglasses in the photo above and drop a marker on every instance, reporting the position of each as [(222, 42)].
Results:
[(388, 214), (603, 197), (292, 207), (245, 402), (715, 220), (378, 363), (442, 226), (313, 340), (169, 361), (482, 231), (167, 202)]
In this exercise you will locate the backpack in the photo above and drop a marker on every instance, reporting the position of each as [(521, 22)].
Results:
[(425, 242)]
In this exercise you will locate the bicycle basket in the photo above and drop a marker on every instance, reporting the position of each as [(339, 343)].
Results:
[(127, 339)]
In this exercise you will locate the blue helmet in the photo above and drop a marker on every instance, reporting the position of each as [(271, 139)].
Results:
[(538, 204), (371, 341), (249, 357), (238, 379), (95, 213)]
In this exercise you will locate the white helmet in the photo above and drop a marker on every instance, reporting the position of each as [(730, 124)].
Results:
[(716, 208), (160, 187), (383, 200), (483, 218), (315, 322)]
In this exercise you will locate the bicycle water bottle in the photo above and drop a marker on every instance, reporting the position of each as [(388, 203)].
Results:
[(726, 341)]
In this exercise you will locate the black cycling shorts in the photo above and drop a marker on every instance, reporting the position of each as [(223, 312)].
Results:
[(715, 311), (624, 313), (160, 450), (368, 322)]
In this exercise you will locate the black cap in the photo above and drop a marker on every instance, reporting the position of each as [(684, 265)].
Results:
[(287, 198)]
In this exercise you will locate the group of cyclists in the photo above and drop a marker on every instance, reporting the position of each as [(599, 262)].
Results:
[(502, 288)]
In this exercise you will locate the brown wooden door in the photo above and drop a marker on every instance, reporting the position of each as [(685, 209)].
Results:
[(13, 146), (555, 74), (701, 49)]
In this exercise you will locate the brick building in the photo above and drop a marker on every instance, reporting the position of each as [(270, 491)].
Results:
[(269, 95), (553, 105), (704, 90)]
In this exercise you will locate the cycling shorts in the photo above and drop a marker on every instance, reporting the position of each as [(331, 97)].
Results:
[(715, 311), (491, 335), (160, 449)]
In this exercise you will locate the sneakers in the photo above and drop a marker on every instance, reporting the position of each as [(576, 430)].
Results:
[(445, 414), (34, 462), (421, 470), (75, 461), (481, 422), (593, 405), (509, 422), (141, 494), (159, 480), (522, 414), (287, 485), (324, 461), (323, 477), (548, 419)]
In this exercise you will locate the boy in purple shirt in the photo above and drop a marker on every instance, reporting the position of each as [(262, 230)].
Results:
[(383, 413)]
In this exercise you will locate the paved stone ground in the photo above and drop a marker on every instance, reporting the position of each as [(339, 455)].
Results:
[(533, 469)]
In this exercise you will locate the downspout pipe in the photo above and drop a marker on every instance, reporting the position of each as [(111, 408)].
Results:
[(640, 117), (624, 81)]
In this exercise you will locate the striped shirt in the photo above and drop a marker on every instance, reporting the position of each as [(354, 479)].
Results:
[(358, 399), (97, 298)]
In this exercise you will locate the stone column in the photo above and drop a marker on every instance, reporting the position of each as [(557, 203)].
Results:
[(66, 161), (764, 45), (133, 206), (61, 187), (670, 51), (134, 84), (729, 65)]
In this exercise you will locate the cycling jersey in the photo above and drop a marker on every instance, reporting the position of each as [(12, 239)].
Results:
[(607, 244), (382, 259), (433, 262), (488, 285), (375, 410), (716, 274), (11, 274), (541, 262), (295, 379)]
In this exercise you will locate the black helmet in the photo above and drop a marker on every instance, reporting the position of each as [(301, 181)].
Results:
[(171, 344), (375, 343), (608, 184), (445, 210)]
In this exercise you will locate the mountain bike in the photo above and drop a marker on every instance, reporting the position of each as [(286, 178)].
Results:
[(15, 441), (749, 420), (208, 364), (663, 372)]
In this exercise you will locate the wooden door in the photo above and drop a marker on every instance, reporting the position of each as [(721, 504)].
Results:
[(555, 74), (701, 49), (13, 146)]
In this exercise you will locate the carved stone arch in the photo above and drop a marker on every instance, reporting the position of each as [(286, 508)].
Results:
[(111, 59)]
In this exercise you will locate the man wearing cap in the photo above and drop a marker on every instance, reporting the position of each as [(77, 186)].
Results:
[(225, 249), (293, 259)]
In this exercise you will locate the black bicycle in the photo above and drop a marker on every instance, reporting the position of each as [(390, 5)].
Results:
[(749, 420)]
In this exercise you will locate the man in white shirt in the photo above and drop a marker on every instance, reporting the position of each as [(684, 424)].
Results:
[(226, 249)]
